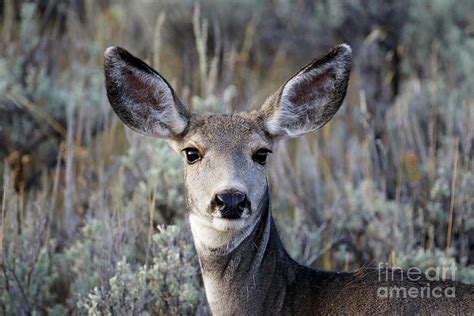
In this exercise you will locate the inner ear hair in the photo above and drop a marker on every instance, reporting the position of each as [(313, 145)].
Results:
[(311, 97), (142, 98)]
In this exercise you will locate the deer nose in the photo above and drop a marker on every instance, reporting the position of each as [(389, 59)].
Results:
[(231, 198), (231, 203)]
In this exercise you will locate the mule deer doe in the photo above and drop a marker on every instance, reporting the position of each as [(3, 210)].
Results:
[(244, 266)]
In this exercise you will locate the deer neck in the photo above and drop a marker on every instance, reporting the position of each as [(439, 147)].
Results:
[(251, 269)]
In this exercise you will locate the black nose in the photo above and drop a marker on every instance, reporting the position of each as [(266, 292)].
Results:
[(231, 203), (231, 198)]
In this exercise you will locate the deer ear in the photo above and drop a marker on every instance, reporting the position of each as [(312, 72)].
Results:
[(142, 98), (310, 98)]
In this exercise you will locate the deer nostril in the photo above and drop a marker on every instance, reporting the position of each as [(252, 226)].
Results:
[(231, 198)]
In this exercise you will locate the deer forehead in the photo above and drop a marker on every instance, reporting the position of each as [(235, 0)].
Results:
[(227, 133)]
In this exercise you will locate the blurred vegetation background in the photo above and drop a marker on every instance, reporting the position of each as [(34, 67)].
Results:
[(93, 216)]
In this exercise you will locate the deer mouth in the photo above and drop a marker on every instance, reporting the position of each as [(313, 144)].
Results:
[(229, 219), (232, 213)]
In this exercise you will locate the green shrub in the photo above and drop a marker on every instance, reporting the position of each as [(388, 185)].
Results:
[(171, 284)]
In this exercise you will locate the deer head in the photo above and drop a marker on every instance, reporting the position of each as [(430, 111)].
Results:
[(224, 156)]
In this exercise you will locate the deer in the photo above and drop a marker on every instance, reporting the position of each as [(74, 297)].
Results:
[(245, 268)]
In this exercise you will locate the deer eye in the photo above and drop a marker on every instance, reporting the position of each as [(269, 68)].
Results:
[(261, 156), (192, 155)]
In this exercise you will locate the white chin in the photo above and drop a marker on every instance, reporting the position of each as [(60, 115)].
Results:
[(217, 232), (227, 225)]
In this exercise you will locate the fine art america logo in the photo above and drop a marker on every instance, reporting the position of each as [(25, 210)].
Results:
[(393, 289)]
